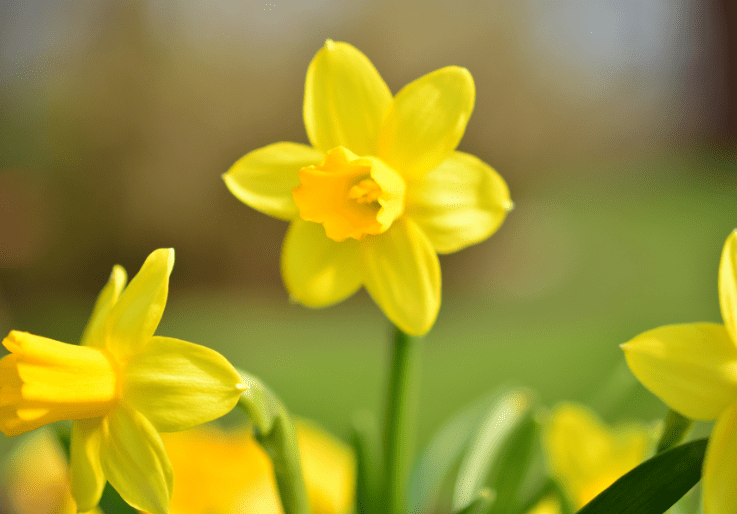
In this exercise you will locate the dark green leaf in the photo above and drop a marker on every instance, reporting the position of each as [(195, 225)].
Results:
[(653, 486)]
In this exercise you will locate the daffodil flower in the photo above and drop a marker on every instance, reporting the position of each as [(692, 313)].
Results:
[(381, 191), (586, 456), (121, 386), (693, 368), (233, 473)]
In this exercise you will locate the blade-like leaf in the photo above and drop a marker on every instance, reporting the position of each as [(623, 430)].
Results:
[(653, 486), (484, 499), (488, 443), (443, 452), (512, 465), (676, 429)]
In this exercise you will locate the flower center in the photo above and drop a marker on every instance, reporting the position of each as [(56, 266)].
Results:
[(43, 381), (351, 196)]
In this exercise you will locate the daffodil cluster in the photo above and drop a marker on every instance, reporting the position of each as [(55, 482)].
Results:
[(380, 192), (693, 368), (122, 386)]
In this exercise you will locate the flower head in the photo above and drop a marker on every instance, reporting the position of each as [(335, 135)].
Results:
[(693, 368), (586, 456), (381, 191), (122, 385), (233, 473)]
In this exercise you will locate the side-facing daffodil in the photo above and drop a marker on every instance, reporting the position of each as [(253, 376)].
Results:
[(122, 386), (380, 192), (586, 456), (693, 368)]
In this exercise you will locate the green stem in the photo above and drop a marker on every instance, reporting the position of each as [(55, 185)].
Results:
[(400, 426), (675, 430), (275, 432)]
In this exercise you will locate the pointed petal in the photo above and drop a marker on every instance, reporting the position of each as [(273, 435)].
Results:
[(728, 285), (692, 367), (426, 121), (345, 100), (135, 462), (318, 271), (719, 472), (461, 202), (87, 478), (178, 385), (135, 316), (264, 179), (402, 274), (94, 332)]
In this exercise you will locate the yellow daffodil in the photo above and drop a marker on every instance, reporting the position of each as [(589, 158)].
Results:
[(36, 478), (232, 473), (383, 180), (122, 386), (693, 368), (586, 456)]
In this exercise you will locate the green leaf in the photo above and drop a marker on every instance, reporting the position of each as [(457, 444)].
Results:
[(512, 464), (676, 429), (488, 443), (653, 486), (444, 452), (484, 499)]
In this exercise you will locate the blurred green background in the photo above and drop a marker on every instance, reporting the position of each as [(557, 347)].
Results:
[(610, 121)]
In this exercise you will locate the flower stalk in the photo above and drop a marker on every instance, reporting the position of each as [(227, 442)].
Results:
[(400, 427), (275, 433)]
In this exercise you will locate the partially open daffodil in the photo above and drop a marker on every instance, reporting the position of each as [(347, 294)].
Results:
[(693, 368), (122, 386), (381, 191)]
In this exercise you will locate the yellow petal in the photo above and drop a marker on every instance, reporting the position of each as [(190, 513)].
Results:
[(318, 271), (345, 100), (178, 385), (135, 316), (691, 367), (43, 381), (87, 478), (329, 469), (402, 274), (94, 332), (461, 202), (264, 179), (135, 462), (548, 505), (586, 455), (719, 471), (426, 121), (728, 285)]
